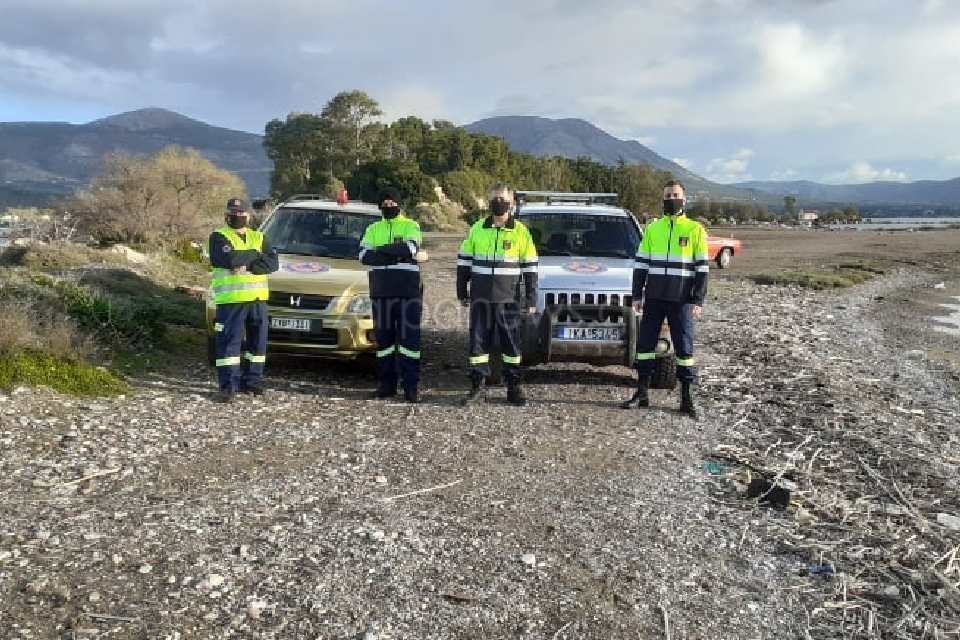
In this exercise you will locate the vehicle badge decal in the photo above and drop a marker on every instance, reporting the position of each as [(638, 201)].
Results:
[(306, 267), (683, 241), (295, 301), (584, 267)]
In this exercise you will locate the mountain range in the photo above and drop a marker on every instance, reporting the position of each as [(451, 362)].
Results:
[(58, 157), (39, 159)]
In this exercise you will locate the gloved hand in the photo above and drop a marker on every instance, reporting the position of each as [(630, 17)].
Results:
[(259, 267)]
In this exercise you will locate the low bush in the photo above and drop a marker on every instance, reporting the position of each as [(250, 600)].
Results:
[(67, 375), (836, 277)]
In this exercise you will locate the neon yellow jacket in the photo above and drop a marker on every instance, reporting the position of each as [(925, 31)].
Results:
[(492, 260), (671, 264), (390, 247)]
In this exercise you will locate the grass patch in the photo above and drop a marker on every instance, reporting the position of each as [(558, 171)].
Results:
[(65, 375), (59, 256), (839, 276)]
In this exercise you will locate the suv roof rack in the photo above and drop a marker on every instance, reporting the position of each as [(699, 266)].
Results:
[(570, 196), (306, 196), (567, 196)]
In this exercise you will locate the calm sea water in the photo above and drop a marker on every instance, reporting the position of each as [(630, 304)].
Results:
[(900, 223)]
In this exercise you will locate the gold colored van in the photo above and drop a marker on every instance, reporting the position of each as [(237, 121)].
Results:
[(319, 298)]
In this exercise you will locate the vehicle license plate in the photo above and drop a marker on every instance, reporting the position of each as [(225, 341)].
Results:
[(290, 324), (590, 333)]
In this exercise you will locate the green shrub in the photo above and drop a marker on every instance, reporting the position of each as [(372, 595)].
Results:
[(121, 324), (62, 374), (186, 251), (839, 277)]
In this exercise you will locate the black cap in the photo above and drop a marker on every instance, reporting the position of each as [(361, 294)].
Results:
[(236, 204), (388, 193)]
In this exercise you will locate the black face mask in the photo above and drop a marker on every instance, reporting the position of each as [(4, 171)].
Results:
[(237, 222), (672, 207), (390, 212), (500, 207)]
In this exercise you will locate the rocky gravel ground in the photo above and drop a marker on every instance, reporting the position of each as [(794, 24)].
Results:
[(315, 513)]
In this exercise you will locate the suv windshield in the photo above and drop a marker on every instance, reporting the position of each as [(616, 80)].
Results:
[(316, 232), (571, 234)]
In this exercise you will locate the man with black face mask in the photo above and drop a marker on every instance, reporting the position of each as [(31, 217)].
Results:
[(239, 266), (496, 254), (389, 246), (669, 282)]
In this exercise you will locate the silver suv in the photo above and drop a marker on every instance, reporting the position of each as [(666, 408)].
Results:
[(586, 246)]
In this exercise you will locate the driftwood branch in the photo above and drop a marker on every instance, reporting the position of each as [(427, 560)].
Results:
[(420, 491)]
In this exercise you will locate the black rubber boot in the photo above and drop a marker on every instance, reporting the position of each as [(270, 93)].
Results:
[(640, 398), (515, 394), (477, 393), (686, 400)]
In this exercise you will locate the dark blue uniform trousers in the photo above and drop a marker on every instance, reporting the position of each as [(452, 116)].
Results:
[(396, 323), (679, 318), (503, 318), (241, 343)]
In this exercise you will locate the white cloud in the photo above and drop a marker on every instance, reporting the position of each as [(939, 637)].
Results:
[(646, 141), (734, 168), (860, 172), (785, 175), (686, 163)]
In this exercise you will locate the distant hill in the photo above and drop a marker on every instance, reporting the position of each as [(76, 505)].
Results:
[(58, 157), (575, 138), (945, 193)]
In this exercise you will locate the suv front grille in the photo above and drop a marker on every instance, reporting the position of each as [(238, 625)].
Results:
[(590, 298), (305, 301)]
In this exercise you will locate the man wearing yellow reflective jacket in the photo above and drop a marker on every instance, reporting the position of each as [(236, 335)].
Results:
[(239, 264), (669, 282), (496, 255), (389, 247)]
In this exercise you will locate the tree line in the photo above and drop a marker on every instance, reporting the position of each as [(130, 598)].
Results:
[(346, 146)]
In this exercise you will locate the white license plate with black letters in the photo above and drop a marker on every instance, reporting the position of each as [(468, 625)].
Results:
[(290, 324), (607, 334)]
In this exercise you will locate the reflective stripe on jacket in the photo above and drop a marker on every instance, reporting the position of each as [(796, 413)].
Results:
[(402, 278), (492, 259), (231, 288), (671, 263)]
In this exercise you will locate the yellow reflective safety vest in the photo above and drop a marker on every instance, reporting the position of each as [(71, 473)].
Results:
[(493, 259), (672, 264), (231, 288)]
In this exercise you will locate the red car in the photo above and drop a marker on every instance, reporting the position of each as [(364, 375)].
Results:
[(721, 249)]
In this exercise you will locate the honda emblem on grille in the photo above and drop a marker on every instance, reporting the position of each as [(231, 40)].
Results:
[(294, 302)]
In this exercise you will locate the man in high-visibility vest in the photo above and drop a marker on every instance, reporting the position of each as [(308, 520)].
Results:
[(239, 264), (493, 258), (389, 246), (669, 282)]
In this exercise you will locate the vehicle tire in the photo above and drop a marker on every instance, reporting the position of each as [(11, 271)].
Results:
[(724, 258), (665, 374), (212, 351)]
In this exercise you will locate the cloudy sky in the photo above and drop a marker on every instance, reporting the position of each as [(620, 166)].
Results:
[(836, 91)]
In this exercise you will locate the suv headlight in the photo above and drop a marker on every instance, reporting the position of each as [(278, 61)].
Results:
[(361, 305)]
